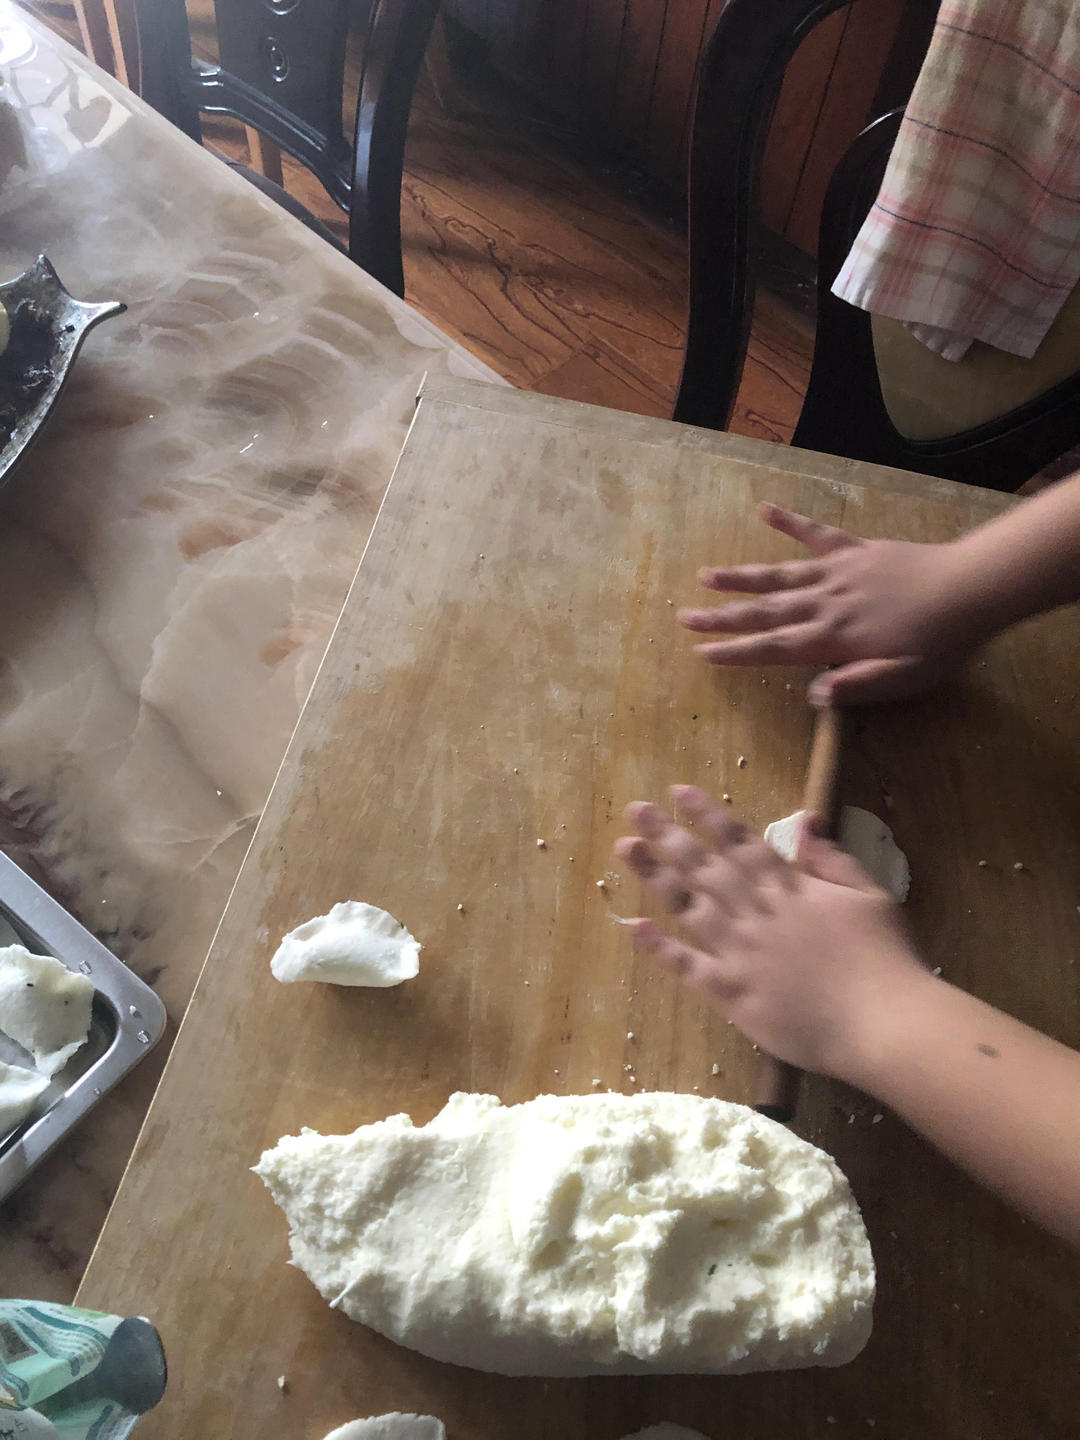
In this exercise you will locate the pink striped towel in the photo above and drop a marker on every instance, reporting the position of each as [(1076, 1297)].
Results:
[(975, 234)]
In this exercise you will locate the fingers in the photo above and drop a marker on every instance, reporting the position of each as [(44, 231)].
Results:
[(695, 967), (668, 882), (716, 821), (865, 682), (804, 644), (697, 883), (823, 859), (761, 579), (821, 539), (753, 616), (669, 841), (740, 864)]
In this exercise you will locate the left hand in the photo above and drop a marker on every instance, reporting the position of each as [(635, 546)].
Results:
[(804, 959)]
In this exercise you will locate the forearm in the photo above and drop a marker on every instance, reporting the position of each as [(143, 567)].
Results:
[(1024, 562), (997, 1097)]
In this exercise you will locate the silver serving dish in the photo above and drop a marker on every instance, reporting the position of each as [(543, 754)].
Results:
[(128, 1019), (47, 329)]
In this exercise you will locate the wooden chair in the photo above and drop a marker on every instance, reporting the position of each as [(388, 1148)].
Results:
[(875, 392), (740, 74), (282, 72)]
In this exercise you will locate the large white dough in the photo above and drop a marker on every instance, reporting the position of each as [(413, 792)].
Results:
[(44, 1006), (862, 835), (584, 1234), (394, 1426), (356, 944), (19, 1088)]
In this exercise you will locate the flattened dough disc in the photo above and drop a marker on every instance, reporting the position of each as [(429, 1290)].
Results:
[(862, 835)]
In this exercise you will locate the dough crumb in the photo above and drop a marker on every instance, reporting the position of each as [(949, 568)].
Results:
[(877, 1119), (597, 1081), (600, 884), (983, 864), (460, 907), (1019, 865), (726, 798), (741, 762), (630, 1034), (541, 844), (716, 1069), (283, 1384)]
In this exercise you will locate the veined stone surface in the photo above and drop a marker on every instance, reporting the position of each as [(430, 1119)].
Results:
[(174, 550)]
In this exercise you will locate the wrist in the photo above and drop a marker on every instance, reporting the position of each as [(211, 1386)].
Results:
[(885, 1023), (972, 604)]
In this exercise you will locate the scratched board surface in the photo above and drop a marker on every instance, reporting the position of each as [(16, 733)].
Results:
[(507, 669)]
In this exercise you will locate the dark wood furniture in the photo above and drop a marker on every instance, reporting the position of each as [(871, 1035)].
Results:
[(845, 411), (621, 73), (281, 71), (739, 79)]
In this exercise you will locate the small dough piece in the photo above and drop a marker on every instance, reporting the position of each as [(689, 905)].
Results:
[(394, 1426), (863, 836), (583, 1235), (44, 1006), (19, 1089), (666, 1431), (356, 944)]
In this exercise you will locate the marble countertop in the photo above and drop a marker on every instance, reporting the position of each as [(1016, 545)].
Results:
[(174, 551)]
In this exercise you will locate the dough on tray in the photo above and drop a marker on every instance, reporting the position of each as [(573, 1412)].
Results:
[(584, 1234), (44, 1006), (19, 1089), (356, 944), (862, 835), (394, 1426)]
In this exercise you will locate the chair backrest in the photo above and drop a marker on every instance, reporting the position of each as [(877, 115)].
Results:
[(876, 393), (740, 74), (1026, 412), (281, 70)]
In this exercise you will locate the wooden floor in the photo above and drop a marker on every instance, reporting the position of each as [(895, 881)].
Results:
[(542, 265)]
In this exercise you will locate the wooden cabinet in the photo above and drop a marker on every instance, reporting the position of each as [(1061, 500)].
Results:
[(624, 71)]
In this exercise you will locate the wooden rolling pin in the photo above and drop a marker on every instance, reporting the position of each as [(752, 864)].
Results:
[(776, 1085)]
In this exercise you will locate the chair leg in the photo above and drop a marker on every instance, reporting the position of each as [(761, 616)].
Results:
[(124, 38), (94, 30), (439, 68), (265, 155)]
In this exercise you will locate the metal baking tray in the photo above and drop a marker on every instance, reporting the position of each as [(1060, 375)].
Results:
[(127, 1021)]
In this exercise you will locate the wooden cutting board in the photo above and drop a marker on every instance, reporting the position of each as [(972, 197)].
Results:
[(506, 670)]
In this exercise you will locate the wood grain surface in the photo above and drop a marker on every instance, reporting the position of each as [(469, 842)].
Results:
[(507, 669)]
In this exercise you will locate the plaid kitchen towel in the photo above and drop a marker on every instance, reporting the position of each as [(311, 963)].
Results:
[(975, 234)]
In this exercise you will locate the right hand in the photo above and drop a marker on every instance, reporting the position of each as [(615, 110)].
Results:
[(888, 614)]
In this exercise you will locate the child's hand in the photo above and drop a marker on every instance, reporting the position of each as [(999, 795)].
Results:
[(889, 613), (801, 959)]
